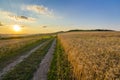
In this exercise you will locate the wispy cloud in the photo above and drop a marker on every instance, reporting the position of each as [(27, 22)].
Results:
[(1, 24), (15, 17), (21, 18), (41, 10), (44, 26)]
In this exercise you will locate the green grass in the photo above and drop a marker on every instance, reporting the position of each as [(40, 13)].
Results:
[(11, 55), (25, 69), (60, 67)]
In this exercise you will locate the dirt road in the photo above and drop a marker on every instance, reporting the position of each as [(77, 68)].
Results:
[(20, 59), (41, 73)]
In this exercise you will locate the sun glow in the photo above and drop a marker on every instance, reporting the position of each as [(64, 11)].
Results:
[(17, 28)]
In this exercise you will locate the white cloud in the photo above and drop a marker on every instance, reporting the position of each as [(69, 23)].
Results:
[(41, 10), (15, 17)]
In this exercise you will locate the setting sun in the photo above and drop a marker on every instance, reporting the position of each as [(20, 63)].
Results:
[(17, 28)]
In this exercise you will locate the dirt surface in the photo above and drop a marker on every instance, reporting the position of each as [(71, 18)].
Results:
[(20, 59), (41, 73)]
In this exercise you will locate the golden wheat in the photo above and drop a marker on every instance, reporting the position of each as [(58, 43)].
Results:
[(93, 55)]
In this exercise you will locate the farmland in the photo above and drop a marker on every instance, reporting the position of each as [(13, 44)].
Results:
[(10, 49), (93, 55), (59, 39), (25, 66), (66, 56)]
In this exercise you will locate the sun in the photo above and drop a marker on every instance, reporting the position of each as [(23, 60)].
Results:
[(17, 28)]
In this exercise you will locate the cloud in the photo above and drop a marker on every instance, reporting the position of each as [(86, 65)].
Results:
[(44, 26), (21, 18), (15, 17), (1, 24), (41, 10)]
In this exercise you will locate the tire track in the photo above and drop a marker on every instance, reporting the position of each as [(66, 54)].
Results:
[(41, 73), (20, 59)]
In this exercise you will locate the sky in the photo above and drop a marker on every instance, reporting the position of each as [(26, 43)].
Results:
[(46, 16)]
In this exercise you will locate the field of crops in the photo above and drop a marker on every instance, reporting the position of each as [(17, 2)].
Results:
[(93, 55), (69, 56)]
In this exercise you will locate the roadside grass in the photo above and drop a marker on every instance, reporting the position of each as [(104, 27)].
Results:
[(11, 55), (60, 67), (25, 69)]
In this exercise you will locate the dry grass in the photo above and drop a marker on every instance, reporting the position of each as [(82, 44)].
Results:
[(9, 42), (93, 55), (12, 45)]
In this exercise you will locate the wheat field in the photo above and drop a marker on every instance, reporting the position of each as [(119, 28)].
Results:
[(93, 55)]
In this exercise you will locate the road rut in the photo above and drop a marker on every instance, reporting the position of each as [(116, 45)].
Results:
[(42, 71), (20, 59)]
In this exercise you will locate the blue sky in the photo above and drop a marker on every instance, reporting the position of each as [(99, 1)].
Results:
[(60, 14)]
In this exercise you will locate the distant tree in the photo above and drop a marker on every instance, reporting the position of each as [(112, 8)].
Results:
[(76, 30)]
